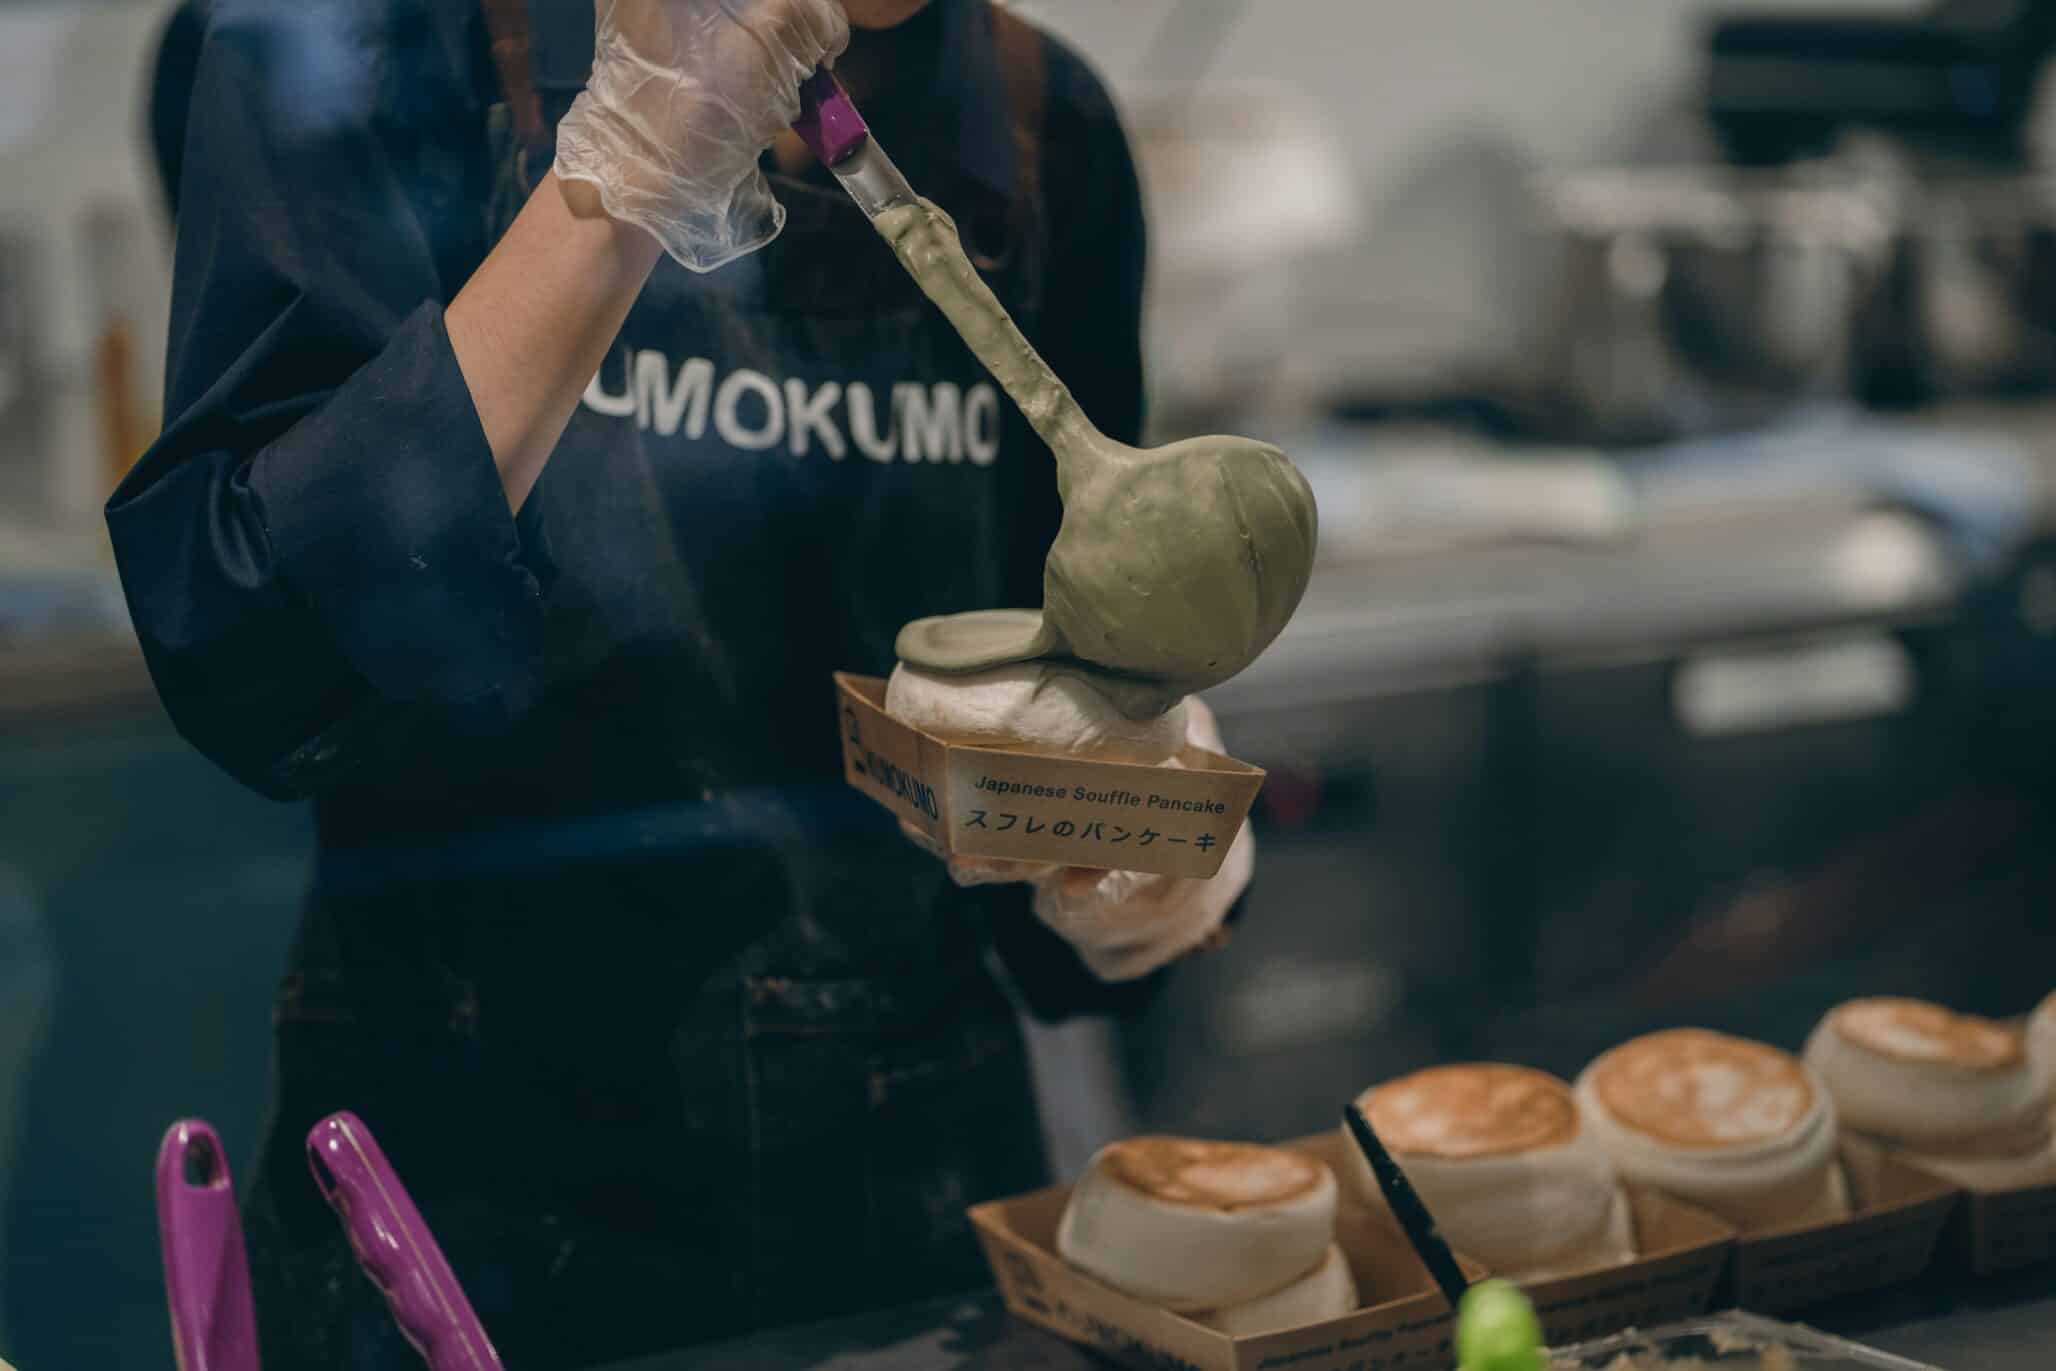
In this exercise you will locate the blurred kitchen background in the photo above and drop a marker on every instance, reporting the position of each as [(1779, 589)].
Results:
[(1678, 381)]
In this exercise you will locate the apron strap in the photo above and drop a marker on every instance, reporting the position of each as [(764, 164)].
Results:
[(1018, 45), (993, 233), (507, 22)]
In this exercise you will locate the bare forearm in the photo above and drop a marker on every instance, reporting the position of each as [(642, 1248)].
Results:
[(532, 324)]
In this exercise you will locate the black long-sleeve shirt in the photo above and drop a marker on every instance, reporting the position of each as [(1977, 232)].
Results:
[(776, 466)]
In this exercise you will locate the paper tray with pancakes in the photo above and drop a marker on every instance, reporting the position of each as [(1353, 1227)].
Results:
[(1961, 1099), (1019, 804), (2002, 1230), (1897, 1217), (1403, 1321), (1750, 1132), (1500, 1155), (1681, 1254)]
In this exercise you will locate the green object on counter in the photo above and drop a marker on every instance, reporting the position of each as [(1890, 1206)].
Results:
[(1496, 1330)]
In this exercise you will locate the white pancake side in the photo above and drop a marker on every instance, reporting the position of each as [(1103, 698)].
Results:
[(1229, 1223)]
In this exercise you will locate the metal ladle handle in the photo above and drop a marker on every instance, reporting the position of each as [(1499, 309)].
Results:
[(836, 134)]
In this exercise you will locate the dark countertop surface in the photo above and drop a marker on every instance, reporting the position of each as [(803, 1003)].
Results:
[(2008, 1324)]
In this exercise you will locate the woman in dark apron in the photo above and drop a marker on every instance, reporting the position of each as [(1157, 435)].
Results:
[(670, 1034)]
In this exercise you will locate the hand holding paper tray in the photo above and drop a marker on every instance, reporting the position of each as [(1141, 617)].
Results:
[(1034, 807)]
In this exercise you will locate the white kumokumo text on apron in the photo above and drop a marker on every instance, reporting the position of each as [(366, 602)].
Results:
[(919, 421)]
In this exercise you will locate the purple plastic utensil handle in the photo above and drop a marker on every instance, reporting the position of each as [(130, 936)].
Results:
[(828, 124), (395, 1248), (206, 1274)]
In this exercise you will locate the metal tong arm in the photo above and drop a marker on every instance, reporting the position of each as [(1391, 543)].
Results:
[(206, 1274), (836, 134), (395, 1248)]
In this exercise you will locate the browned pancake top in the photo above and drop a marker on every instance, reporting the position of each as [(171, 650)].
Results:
[(1691, 1087), (1475, 1109), (1213, 1175), (1927, 1034)]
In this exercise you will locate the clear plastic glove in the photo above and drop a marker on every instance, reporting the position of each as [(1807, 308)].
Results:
[(1125, 924), (684, 96)]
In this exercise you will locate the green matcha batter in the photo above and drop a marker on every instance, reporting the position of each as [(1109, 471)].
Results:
[(1174, 566)]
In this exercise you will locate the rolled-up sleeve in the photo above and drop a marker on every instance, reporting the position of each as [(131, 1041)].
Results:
[(387, 515), (318, 545)]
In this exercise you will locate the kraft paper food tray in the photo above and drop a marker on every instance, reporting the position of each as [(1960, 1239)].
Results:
[(1029, 806), (1405, 1325), (1682, 1253), (2007, 1228), (1889, 1239), (2001, 1229)]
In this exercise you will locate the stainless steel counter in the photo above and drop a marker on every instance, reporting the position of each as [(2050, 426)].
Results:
[(2010, 1326)]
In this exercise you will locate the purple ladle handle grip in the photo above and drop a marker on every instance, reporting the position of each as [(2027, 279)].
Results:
[(395, 1248), (828, 124), (206, 1274)]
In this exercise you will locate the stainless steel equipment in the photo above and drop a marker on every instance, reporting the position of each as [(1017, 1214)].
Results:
[(1936, 108), (1693, 300), (1968, 306)]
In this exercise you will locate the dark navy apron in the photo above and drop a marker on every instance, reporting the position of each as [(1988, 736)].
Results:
[(673, 1036)]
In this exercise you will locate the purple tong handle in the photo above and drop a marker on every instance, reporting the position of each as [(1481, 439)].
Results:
[(395, 1248), (206, 1274), (828, 124)]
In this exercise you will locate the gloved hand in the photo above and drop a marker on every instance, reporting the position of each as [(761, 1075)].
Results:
[(684, 96), (1125, 924)]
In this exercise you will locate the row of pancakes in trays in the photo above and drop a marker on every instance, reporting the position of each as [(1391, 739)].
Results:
[(1525, 1172)]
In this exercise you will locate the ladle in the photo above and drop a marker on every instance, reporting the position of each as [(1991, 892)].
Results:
[(1174, 566)]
